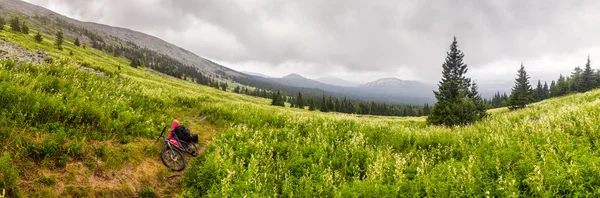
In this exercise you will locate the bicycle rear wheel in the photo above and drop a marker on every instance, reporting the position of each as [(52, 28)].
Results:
[(192, 149), (172, 158)]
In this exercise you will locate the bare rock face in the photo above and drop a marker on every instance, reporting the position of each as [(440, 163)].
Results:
[(17, 53)]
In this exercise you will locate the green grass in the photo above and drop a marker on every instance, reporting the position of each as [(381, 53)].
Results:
[(56, 113)]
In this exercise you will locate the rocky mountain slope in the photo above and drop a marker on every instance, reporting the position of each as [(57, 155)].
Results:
[(119, 35)]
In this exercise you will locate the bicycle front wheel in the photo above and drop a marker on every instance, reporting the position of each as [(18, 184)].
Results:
[(172, 158)]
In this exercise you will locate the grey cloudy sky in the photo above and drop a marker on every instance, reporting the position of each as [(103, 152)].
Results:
[(361, 40)]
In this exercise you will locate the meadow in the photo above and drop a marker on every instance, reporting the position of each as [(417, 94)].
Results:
[(59, 122)]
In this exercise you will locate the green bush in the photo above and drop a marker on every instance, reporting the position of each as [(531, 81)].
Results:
[(8, 175)]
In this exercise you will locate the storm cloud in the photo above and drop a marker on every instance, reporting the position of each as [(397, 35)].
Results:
[(364, 40)]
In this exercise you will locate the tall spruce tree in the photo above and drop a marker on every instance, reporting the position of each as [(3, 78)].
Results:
[(552, 92), (300, 101), (539, 91), (323, 107), (561, 86), (458, 102), (59, 40), (311, 105), (521, 94), (587, 77)]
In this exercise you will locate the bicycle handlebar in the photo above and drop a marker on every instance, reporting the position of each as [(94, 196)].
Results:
[(161, 134)]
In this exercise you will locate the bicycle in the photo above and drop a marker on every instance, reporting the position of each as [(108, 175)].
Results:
[(171, 155)]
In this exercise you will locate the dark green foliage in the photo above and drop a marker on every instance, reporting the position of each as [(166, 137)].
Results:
[(135, 63), (277, 99), (561, 87), (8, 176), (2, 22), (24, 28), (38, 37), (521, 94), (224, 86), (324, 105), (499, 100), (311, 105), (588, 82), (15, 24), (546, 91), (458, 102), (426, 110), (300, 101), (76, 42), (541, 92), (59, 40)]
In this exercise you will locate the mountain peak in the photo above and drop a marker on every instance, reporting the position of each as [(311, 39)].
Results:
[(387, 82), (294, 76)]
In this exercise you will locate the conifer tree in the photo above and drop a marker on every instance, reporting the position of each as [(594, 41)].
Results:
[(59, 40), (2, 22), (587, 78), (426, 109), (76, 42), (575, 84), (539, 91), (546, 92), (521, 95), (15, 25), (552, 92), (38, 37), (457, 103), (24, 28), (300, 101), (311, 105), (561, 86), (324, 105), (277, 99), (224, 86)]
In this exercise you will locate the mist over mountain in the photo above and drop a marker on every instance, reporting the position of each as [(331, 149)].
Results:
[(336, 81)]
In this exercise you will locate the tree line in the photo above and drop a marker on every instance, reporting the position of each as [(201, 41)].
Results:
[(458, 101), (581, 80), (345, 105)]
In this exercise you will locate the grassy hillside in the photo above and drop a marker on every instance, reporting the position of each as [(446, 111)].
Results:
[(549, 149), (66, 131), (80, 126)]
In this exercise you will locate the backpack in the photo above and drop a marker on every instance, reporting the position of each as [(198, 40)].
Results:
[(184, 134)]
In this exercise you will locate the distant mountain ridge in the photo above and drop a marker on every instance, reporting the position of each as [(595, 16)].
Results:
[(393, 82), (385, 89), (294, 76)]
